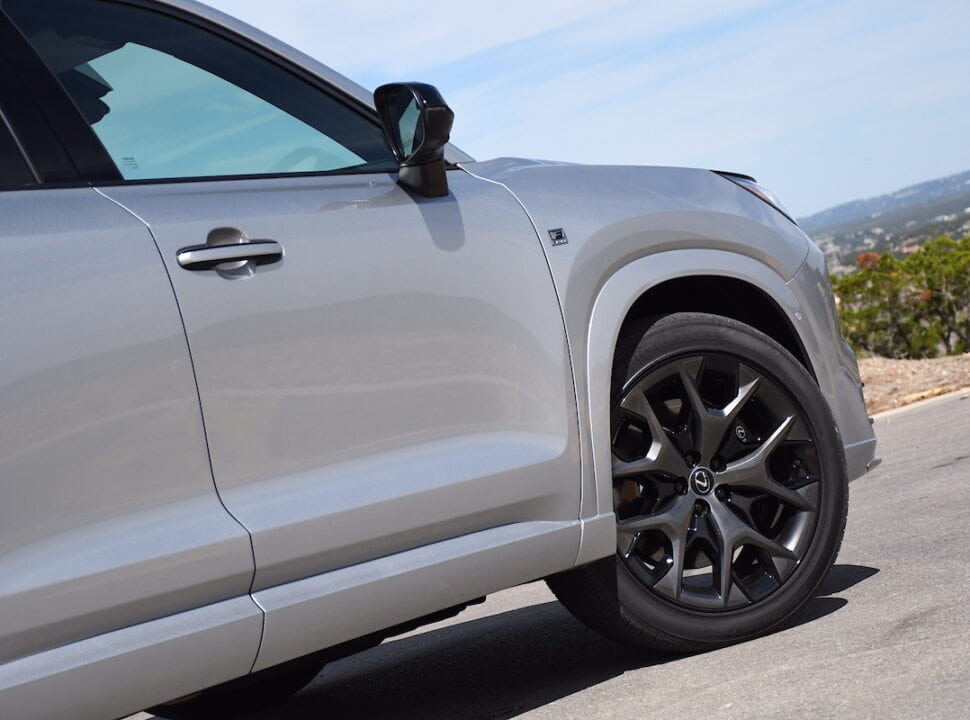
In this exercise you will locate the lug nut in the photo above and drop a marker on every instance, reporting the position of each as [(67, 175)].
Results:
[(680, 487), (693, 458), (700, 507), (720, 492)]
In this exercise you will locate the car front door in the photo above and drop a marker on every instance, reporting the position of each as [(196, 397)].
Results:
[(377, 371)]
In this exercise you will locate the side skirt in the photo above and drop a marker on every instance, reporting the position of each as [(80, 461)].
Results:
[(121, 672), (332, 608)]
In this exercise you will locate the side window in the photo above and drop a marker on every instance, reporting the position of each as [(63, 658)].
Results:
[(14, 171), (168, 99)]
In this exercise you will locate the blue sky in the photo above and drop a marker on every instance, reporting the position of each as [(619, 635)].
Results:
[(824, 101)]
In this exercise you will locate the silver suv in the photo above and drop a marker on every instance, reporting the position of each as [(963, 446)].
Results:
[(284, 373)]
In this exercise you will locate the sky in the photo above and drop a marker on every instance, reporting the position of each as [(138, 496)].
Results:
[(824, 101)]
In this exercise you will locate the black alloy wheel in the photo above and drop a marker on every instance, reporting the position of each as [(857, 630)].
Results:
[(729, 488), (716, 481)]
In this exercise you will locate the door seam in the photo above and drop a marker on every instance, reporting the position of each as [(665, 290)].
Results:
[(198, 394), (569, 345)]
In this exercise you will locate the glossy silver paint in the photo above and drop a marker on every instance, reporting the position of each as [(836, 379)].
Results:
[(109, 514), (411, 402), (120, 672), (383, 592), (399, 378), (653, 224)]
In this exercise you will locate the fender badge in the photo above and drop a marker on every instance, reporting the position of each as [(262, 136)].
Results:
[(558, 237)]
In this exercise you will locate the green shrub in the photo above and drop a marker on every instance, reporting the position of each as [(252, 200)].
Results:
[(914, 307)]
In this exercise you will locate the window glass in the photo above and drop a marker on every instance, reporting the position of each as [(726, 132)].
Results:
[(189, 122), (170, 100), (14, 171)]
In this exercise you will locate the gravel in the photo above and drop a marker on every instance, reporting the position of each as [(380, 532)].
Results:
[(894, 383)]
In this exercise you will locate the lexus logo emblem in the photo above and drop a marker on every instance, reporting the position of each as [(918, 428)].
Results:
[(702, 481)]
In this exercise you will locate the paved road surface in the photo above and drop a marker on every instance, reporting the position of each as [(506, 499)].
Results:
[(887, 636)]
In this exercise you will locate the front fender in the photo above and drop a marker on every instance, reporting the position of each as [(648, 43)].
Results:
[(628, 229), (610, 308)]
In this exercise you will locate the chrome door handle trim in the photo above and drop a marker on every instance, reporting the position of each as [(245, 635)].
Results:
[(206, 257)]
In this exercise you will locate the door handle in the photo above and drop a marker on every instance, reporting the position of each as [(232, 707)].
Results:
[(206, 257)]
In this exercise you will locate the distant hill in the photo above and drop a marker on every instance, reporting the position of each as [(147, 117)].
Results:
[(898, 222)]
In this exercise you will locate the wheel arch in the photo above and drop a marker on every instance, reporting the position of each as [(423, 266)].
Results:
[(697, 280), (738, 299)]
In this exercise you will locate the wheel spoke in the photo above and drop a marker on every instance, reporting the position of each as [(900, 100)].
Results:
[(732, 534), (672, 521), (646, 464), (752, 470), (663, 455), (698, 409), (712, 423), (756, 460), (742, 505), (688, 378), (746, 391), (725, 565), (672, 581), (768, 560)]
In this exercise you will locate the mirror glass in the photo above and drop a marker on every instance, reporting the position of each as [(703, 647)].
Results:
[(410, 127), (407, 122)]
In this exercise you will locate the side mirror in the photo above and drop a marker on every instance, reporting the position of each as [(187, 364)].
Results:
[(417, 124)]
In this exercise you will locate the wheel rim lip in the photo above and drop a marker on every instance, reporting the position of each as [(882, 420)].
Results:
[(803, 526)]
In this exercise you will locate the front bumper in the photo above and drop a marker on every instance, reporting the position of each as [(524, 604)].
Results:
[(834, 363)]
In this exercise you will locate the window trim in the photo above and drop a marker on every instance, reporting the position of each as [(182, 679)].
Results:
[(89, 155), (6, 128), (37, 141), (56, 122)]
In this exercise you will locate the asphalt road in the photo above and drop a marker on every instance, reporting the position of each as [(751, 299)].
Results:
[(887, 635)]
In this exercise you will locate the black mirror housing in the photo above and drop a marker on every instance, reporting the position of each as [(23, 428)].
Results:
[(417, 125)]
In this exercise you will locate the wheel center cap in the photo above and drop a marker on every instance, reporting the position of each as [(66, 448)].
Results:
[(701, 481)]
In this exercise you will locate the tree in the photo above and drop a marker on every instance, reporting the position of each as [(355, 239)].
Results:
[(910, 308), (941, 269)]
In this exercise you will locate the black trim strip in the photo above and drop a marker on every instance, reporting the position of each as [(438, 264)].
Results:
[(87, 157), (339, 172), (5, 124), (44, 151)]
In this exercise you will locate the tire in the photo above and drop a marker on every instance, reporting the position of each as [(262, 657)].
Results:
[(729, 489)]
